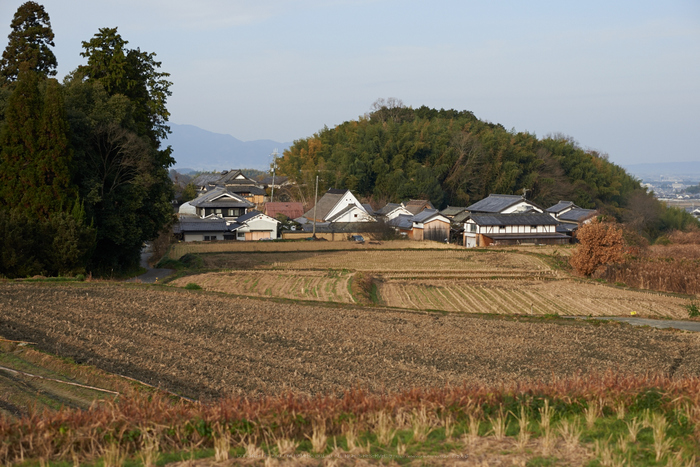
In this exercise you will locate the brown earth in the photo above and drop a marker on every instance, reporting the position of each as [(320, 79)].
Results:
[(207, 345)]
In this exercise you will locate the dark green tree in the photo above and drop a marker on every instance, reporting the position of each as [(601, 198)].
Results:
[(29, 43), (35, 156), (116, 105)]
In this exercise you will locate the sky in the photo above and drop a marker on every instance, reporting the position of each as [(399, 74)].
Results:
[(621, 77)]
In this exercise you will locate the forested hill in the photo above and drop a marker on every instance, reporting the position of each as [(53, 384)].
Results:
[(452, 157)]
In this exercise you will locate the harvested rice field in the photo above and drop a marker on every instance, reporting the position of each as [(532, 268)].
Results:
[(205, 345), (503, 282)]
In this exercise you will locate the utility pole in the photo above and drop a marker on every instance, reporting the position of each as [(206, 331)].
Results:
[(315, 203), (274, 169)]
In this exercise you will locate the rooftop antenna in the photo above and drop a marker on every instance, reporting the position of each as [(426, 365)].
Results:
[(274, 168)]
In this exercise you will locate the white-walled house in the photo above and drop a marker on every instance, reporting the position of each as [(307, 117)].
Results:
[(503, 204), (511, 229), (392, 211), (338, 206), (255, 226)]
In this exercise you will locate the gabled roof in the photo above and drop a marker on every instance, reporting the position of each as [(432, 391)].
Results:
[(451, 211), (344, 211), (402, 221), (577, 215), (220, 197), (368, 208), (414, 206), (250, 215), (389, 207), (560, 206), (513, 219), (428, 214), (495, 203), (328, 202), (461, 217), (291, 210), (325, 204)]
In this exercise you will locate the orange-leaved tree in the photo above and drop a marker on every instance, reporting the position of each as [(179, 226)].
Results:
[(601, 243)]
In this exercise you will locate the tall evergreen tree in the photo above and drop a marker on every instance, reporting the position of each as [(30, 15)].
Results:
[(118, 118), (29, 43), (35, 157)]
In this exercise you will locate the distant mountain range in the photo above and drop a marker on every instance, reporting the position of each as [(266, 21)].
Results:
[(667, 170), (198, 149)]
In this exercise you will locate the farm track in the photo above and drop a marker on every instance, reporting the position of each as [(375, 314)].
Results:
[(207, 345)]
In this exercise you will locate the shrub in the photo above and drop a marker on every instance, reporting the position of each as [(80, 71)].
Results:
[(693, 310), (192, 286), (600, 244)]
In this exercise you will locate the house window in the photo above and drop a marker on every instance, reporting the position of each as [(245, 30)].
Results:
[(533, 228), (501, 228), (472, 227), (218, 211)]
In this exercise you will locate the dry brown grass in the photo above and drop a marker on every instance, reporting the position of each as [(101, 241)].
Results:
[(115, 431), (667, 275)]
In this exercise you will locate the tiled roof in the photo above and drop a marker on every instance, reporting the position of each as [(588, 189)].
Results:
[(577, 214), (452, 211), (252, 189), (209, 200), (514, 219), (426, 214), (495, 203), (195, 224), (387, 209), (560, 206), (402, 221)]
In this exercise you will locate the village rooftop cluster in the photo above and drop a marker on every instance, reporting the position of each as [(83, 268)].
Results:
[(232, 206)]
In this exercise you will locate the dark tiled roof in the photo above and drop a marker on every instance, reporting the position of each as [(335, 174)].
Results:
[(495, 203), (560, 206), (461, 217), (247, 216), (208, 200), (195, 224), (342, 212), (252, 189), (514, 219), (450, 211), (402, 221), (368, 208), (426, 214), (577, 214), (387, 209)]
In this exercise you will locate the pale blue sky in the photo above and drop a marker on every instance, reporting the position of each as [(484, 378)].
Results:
[(622, 77)]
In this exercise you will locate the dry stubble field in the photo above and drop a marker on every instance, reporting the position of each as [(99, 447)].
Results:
[(504, 282), (206, 345)]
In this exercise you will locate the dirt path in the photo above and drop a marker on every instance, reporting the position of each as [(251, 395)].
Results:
[(207, 345)]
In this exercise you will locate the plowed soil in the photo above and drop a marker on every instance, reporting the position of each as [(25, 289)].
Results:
[(206, 345)]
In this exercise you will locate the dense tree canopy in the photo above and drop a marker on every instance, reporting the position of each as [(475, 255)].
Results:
[(116, 107), (451, 157), (28, 44), (83, 178)]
